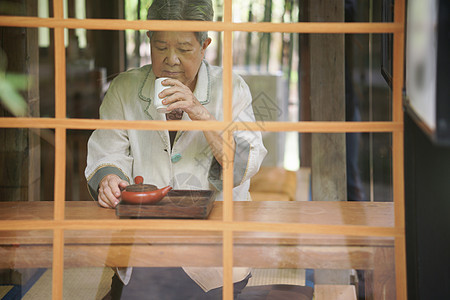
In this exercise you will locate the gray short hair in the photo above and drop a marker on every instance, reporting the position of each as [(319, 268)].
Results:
[(193, 10)]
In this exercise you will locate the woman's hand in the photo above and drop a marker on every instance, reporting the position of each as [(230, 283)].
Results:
[(110, 189), (180, 97)]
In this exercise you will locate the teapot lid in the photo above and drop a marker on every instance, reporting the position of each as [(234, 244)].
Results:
[(139, 186)]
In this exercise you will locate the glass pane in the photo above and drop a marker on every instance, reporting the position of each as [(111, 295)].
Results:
[(167, 261), (314, 212), (27, 58), (27, 157), (303, 265), (22, 277), (309, 77), (138, 52), (131, 10), (278, 11), (375, 164), (30, 8), (76, 186), (87, 282), (91, 69), (297, 167), (325, 167), (189, 167), (176, 204)]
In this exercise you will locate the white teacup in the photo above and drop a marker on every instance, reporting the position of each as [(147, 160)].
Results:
[(160, 107)]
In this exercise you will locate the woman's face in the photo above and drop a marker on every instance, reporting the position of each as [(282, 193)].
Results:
[(177, 55)]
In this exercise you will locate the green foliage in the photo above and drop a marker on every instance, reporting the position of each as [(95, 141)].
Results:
[(10, 85), (131, 7)]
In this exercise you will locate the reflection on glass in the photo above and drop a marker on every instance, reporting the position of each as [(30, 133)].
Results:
[(39, 286), (192, 92), (278, 11), (325, 167), (277, 198), (86, 75), (290, 171), (29, 8), (27, 58), (187, 162), (298, 75), (130, 48), (76, 186), (90, 70), (265, 11), (302, 265), (183, 198), (138, 52), (128, 9), (154, 264), (87, 282), (22, 277), (26, 156), (376, 166)]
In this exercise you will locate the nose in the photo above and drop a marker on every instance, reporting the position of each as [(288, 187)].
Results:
[(172, 58)]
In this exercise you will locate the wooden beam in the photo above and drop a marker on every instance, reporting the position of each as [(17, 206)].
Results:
[(120, 24)]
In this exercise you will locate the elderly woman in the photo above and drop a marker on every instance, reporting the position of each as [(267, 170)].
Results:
[(182, 159)]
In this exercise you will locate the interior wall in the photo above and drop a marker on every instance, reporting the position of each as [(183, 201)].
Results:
[(427, 205)]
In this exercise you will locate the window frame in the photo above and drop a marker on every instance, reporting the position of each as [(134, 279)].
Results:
[(61, 124)]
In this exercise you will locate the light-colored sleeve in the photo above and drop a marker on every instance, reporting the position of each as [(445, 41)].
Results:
[(250, 150), (108, 150)]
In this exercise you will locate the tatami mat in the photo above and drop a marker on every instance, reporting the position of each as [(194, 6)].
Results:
[(277, 276), (4, 289), (79, 283)]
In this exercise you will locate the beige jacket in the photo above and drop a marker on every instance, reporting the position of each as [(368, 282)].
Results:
[(190, 163)]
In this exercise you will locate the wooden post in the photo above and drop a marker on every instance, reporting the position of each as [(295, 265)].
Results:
[(114, 58), (304, 87), (323, 99), (384, 275), (33, 99), (20, 148), (327, 96)]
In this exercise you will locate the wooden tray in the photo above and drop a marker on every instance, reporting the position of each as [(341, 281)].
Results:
[(178, 204)]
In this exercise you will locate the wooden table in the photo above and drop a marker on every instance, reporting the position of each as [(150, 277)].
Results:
[(30, 249)]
